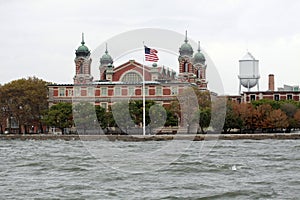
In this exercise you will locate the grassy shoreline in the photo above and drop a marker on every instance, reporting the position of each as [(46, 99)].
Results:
[(137, 138)]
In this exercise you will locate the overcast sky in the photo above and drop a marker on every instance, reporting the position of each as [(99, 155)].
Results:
[(39, 38)]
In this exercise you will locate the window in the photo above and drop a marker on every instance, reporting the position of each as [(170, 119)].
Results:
[(81, 68), (276, 97), (51, 92), (104, 105), (132, 77), (186, 65), (62, 92), (77, 91), (174, 90), (90, 91), (130, 91), (289, 97), (158, 91), (70, 92), (104, 91), (252, 97), (117, 91)]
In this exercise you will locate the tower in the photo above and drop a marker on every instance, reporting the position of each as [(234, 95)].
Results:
[(185, 61), (192, 68), (82, 64), (200, 68), (106, 62), (249, 72)]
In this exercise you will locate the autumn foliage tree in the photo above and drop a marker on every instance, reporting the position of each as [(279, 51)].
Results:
[(3, 112), (289, 108), (263, 115), (24, 100), (297, 118), (276, 119), (233, 117)]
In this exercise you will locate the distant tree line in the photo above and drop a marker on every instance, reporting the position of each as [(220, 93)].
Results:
[(263, 115)]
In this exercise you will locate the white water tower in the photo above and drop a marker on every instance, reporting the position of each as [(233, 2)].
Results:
[(249, 74)]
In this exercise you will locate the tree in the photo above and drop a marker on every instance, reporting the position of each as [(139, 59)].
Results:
[(249, 116), (204, 112), (60, 116), (262, 113), (289, 109), (204, 118), (188, 109), (102, 116), (136, 110), (272, 103), (297, 118), (25, 100), (174, 110), (192, 108), (158, 117), (233, 117), (110, 118), (85, 118), (2, 121), (130, 114), (218, 114), (172, 117), (276, 119), (122, 115), (3, 111)]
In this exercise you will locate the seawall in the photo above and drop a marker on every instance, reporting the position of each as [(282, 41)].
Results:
[(137, 138)]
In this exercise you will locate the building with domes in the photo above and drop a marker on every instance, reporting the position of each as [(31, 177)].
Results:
[(125, 81), (192, 68)]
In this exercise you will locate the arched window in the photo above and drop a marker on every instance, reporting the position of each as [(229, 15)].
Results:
[(81, 68), (104, 75), (186, 67), (131, 77)]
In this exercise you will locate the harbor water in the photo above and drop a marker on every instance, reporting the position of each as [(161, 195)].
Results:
[(224, 169)]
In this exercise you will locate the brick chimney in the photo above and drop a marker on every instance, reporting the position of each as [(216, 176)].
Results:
[(271, 82)]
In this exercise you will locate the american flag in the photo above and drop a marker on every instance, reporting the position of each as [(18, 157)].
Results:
[(150, 54)]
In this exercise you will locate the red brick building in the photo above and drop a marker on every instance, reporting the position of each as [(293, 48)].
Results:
[(284, 93), (125, 81)]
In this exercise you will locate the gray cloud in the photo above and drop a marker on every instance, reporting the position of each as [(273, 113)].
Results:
[(40, 37)]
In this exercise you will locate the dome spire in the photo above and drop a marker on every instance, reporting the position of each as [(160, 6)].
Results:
[(106, 48), (186, 49), (199, 57), (106, 59), (186, 40), (82, 50), (82, 39)]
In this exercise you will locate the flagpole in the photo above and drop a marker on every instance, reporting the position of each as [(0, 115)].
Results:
[(143, 88)]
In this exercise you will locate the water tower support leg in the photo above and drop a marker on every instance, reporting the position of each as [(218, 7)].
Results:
[(248, 86)]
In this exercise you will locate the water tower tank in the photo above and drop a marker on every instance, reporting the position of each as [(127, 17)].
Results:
[(249, 73)]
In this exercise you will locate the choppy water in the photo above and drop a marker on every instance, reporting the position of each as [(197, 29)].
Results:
[(240, 169)]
